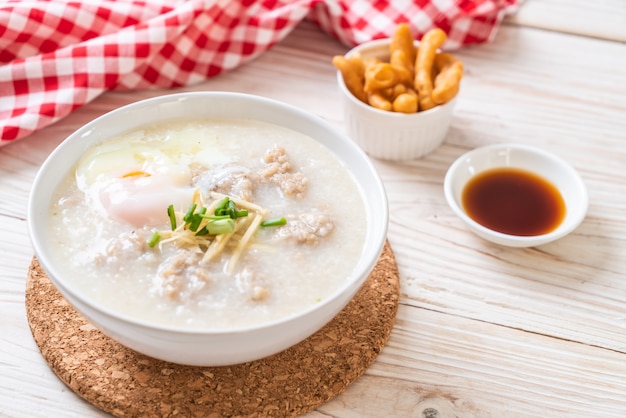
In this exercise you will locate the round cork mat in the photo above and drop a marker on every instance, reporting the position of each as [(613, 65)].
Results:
[(128, 384)]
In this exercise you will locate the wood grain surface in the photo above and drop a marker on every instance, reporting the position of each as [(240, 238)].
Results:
[(482, 330)]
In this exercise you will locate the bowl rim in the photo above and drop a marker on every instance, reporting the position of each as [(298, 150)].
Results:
[(363, 267), (517, 240)]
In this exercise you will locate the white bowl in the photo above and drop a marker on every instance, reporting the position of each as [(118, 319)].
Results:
[(210, 347), (390, 135), (546, 165)]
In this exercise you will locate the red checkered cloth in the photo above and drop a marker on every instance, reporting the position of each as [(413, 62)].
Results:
[(58, 55)]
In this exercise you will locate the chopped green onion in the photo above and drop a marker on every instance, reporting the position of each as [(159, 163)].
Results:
[(190, 211), (172, 216), (203, 231), (222, 222), (194, 222), (274, 222), (220, 226), (154, 239), (227, 207), (232, 209), (222, 205)]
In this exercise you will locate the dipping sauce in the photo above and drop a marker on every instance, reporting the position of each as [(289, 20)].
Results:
[(514, 202)]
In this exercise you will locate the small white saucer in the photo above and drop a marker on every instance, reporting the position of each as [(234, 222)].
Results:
[(550, 167)]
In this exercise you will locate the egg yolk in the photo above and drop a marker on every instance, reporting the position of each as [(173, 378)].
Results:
[(136, 174)]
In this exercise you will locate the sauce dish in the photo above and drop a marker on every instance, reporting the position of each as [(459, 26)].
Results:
[(525, 159)]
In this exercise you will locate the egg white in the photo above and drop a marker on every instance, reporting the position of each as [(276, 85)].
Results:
[(136, 176), (134, 184)]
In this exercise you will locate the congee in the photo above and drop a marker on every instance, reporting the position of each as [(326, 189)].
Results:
[(213, 223)]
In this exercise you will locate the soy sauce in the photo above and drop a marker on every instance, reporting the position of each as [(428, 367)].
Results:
[(514, 202)]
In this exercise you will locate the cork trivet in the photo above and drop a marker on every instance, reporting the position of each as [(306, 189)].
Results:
[(128, 384)]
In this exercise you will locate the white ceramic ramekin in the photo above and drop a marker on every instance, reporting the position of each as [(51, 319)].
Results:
[(390, 135)]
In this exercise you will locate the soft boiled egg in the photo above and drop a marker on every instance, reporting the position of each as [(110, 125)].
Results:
[(135, 182)]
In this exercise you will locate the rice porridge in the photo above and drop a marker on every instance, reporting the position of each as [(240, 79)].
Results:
[(208, 223)]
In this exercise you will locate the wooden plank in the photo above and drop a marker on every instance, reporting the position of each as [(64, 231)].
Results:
[(469, 369), (605, 19)]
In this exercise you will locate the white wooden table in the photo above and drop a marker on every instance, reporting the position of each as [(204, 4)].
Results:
[(482, 330)]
